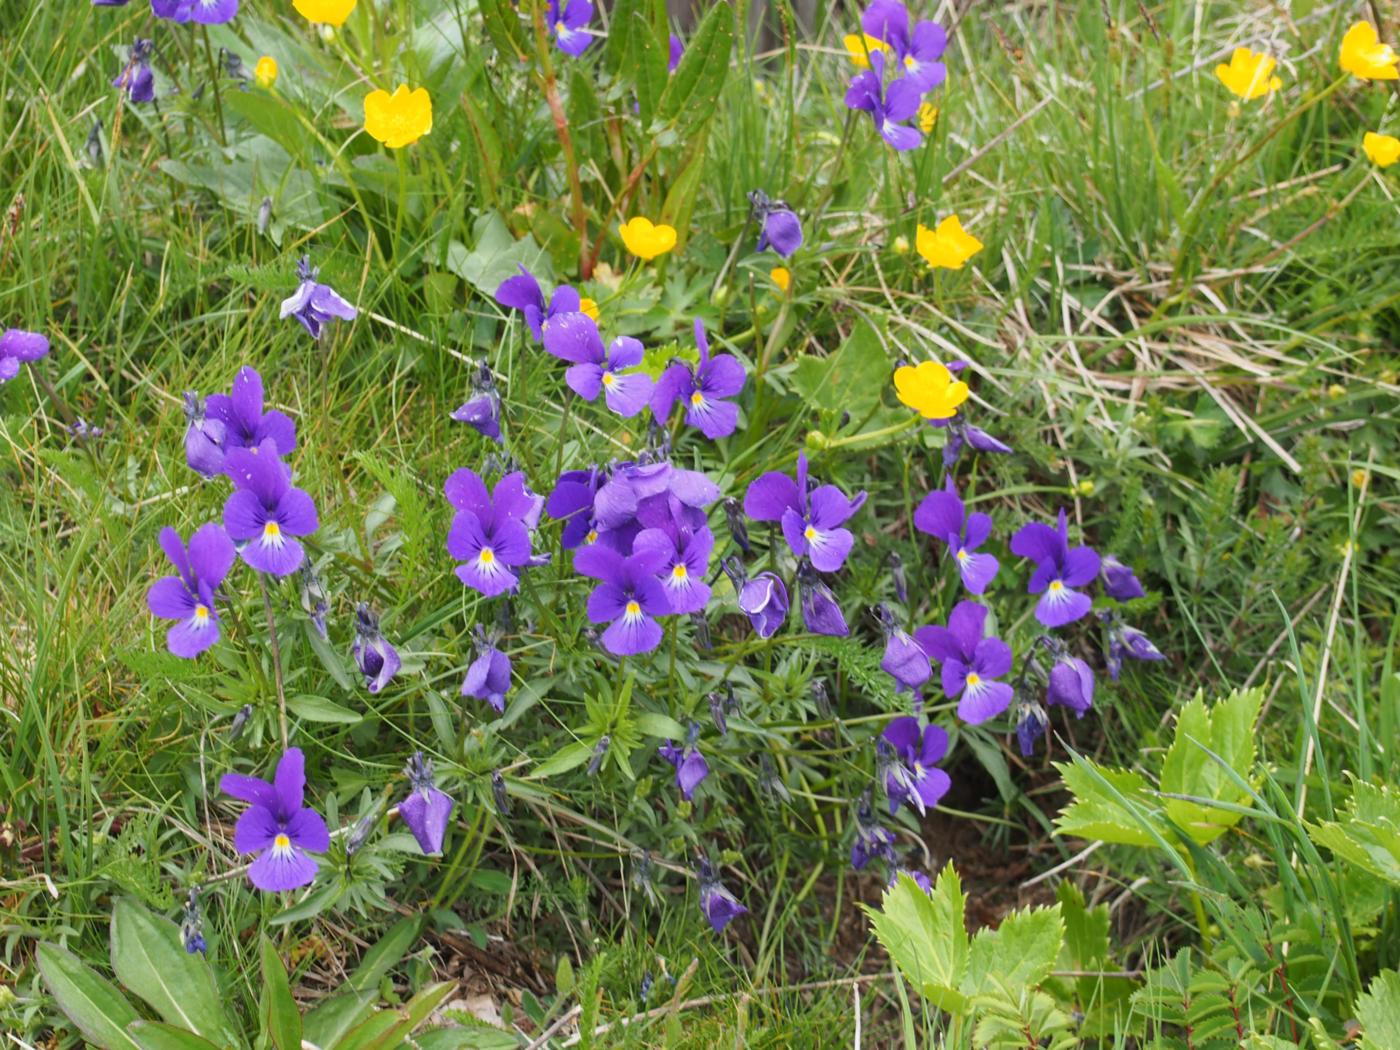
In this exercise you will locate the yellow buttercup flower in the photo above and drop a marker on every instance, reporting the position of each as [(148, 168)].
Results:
[(400, 119), (948, 246), (1364, 55), (1384, 150), (265, 72), (646, 240), (326, 12), (782, 277), (589, 307), (930, 389), (860, 46), (928, 117), (1249, 74)]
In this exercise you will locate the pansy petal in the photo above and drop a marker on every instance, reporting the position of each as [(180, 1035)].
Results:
[(255, 830), (769, 496), (278, 870)]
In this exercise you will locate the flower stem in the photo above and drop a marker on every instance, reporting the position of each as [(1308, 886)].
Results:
[(276, 659), (214, 85)]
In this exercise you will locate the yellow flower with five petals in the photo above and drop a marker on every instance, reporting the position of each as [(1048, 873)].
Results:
[(645, 239), (1384, 150), (930, 389), (325, 12), (1249, 74), (400, 119), (1363, 55), (948, 245)]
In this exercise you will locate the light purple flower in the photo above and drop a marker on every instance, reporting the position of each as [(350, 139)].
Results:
[(277, 826), (488, 676), (203, 12), (913, 775), (315, 304), (920, 879), (719, 906), (426, 810), (265, 514), (188, 597), (677, 52), (1125, 641), (685, 558), (16, 346), (204, 438), (905, 659), (245, 424), (522, 292), (811, 521), (1119, 581), (569, 24), (628, 597), (136, 77), (482, 409), (820, 610), (1071, 684), (572, 503), (1059, 569), (575, 338), (690, 765), (889, 106), (703, 390), (763, 599), (961, 433), (942, 516), (872, 840), (491, 531), (917, 50), (377, 660), (779, 226), (970, 662)]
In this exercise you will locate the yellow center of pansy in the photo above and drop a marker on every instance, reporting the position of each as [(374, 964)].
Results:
[(609, 379), (487, 556), (809, 533), (281, 842), (201, 613), (697, 399), (592, 536), (974, 678), (633, 609), (679, 572), (1056, 586), (272, 530)]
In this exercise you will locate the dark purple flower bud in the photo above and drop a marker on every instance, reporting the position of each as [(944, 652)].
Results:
[(499, 794), (313, 304), (84, 431), (426, 810), (1071, 684), (192, 925), (904, 660), (264, 215), (277, 826), (984, 442), (137, 79), (780, 229), (359, 833), (1139, 646), (204, 438), (763, 599), (600, 751), (96, 156), (901, 582), (872, 840), (691, 767), (1119, 581), (313, 597), (720, 907), (820, 611), (482, 409), (770, 781), (645, 991), (377, 660), (1030, 727), (717, 713), (240, 719), (488, 677), (233, 62), (738, 531), (110, 3)]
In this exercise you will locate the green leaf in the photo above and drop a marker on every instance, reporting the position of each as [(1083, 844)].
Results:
[(693, 91), (480, 1036), (156, 1035), (319, 709), (503, 26), (328, 1023), (849, 380), (638, 50), (1378, 1010), (280, 1017), (87, 999), (149, 957), (568, 757), (267, 113), (925, 936), (1368, 835), (375, 1035), (663, 727), (1098, 813), (1206, 738), (1017, 955), (496, 256)]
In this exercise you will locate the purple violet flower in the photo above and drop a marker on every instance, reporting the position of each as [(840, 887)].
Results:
[(488, 676), (702, 391), (811, 521), (1119, 581), (913, 775), (1071, 684), (265, 514), (780, 228), (16, 346), (690, 765), (720, 907), (942, 516), (136, 77), (377, 660), (1059, 569), (575, 338), (188, 597), (677, 51), (202, 12), (961, 433), (277, 826), (820, 610), (971, 662), (426, 810), (522, 292), (572, 503), (889, 106), (918, 49), (1030, 727), (244, 423), (628, 597), (920, 879), (872, 840), (1125, 641), (905, 659), (686, 555), (314, 304), (482, 409), (570, 25), (491, 531), (763, 599)]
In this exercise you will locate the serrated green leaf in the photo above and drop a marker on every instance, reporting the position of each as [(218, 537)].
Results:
[(1203, 735), (280, 1017), (693, 90), (925, 936), (1017, 955), (1368, 835), (90, 1001), (1096, 813)]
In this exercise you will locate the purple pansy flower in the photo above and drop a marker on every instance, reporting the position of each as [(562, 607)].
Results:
[(703, 391), (970, 662), (522, 292), (277, 826), (188, 597), (888, 106), (918, 50), (820, 610), (1059, 569), (1071, 684), (491, 531), (779, 226), (811, 521), (426, 810), (1125, 641), (569, 24), (204, 12), (488, 676), (720, 907), (377, 660), (1119, 581), (686, 559), (575, 338), (920, 879), (572, 503), (628, 597), (314, 304), (245, 423), (265, 513), (912, 775), (905, 659), (677, 51), (482, 409), (136, 77), (204, 438), (17, 345), (942, 516), (690, 765)]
